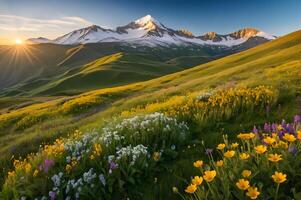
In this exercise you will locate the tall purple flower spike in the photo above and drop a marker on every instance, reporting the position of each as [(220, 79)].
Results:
[(290, 128), (255, 130), (274, 127), (267, 128), (297, 119)]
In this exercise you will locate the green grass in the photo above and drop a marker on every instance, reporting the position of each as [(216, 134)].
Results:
[(276, 64)]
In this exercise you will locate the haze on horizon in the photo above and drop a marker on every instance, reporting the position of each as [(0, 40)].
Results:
[(30, 18)]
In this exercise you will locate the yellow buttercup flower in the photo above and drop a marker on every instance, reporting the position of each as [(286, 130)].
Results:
[(11, 174), (35, 173), (229, 154), (220, 163), (269, 140), (221, 146), (209, 175), (92, 157), (279, 177), (68, 168), (156, 156), (191, 188), (244, 156), (27, 167), (260, 149), (253, 192), (243, 184), (289, 137), (274, 157), (279, 127), (234, 145), (246, 173), (197, 180), (198, 163), (246, 136)]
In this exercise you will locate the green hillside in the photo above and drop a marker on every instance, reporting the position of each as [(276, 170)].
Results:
[(275, 64), (48, 69)]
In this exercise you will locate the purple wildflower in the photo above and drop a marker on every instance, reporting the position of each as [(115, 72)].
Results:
[(112, 166), (46, 165), (274, 127), (255, 130), (290, 128), (52, 195), (280, 134), (293, 150), (297, 119), (267, 128)]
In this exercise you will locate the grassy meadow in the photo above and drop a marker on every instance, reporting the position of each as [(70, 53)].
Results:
[(141, 140)]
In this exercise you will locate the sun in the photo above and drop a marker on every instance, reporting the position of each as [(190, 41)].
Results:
[(18, 41)]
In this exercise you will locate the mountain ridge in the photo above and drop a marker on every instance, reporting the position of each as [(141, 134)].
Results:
[(147, 31)]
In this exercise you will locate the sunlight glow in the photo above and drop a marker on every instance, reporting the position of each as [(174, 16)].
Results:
[(18, 41)]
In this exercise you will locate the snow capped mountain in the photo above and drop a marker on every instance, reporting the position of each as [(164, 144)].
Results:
[(150, 32)]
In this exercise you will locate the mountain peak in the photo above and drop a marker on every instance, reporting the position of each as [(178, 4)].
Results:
[(144, 20), (211, 35), (245, 33)]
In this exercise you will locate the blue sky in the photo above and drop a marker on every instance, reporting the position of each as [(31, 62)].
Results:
[(51, 18)]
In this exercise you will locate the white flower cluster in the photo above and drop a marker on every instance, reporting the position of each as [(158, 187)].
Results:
[(136, 127), (86, 179), (109, 136), (204, 96), (78, 148), (131, 152)]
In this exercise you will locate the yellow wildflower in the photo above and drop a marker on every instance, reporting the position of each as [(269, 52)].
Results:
[(229, 154), (253, 192), (289, 137), (209, 175), (27, 167), (198, 163), (269, 140), (274, 157), (221, 146), (246, 173), (244, 156), (279, 127), (246, 136), (243, 184), (197, 180), (260, 149), (35, 173), (279, 177), (156, 156), (92, 157), (234, 145), (11, 174), (68, 168), (219, 163), (191, 188)]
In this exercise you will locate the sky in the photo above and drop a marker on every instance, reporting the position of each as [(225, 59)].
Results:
[(52, 18)]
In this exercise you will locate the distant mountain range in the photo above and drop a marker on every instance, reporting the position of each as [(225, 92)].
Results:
[(147, 31)]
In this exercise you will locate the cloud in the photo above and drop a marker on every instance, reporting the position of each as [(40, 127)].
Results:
[(20, 24)]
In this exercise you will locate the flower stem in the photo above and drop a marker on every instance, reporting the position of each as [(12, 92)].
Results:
[(276, 196)]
